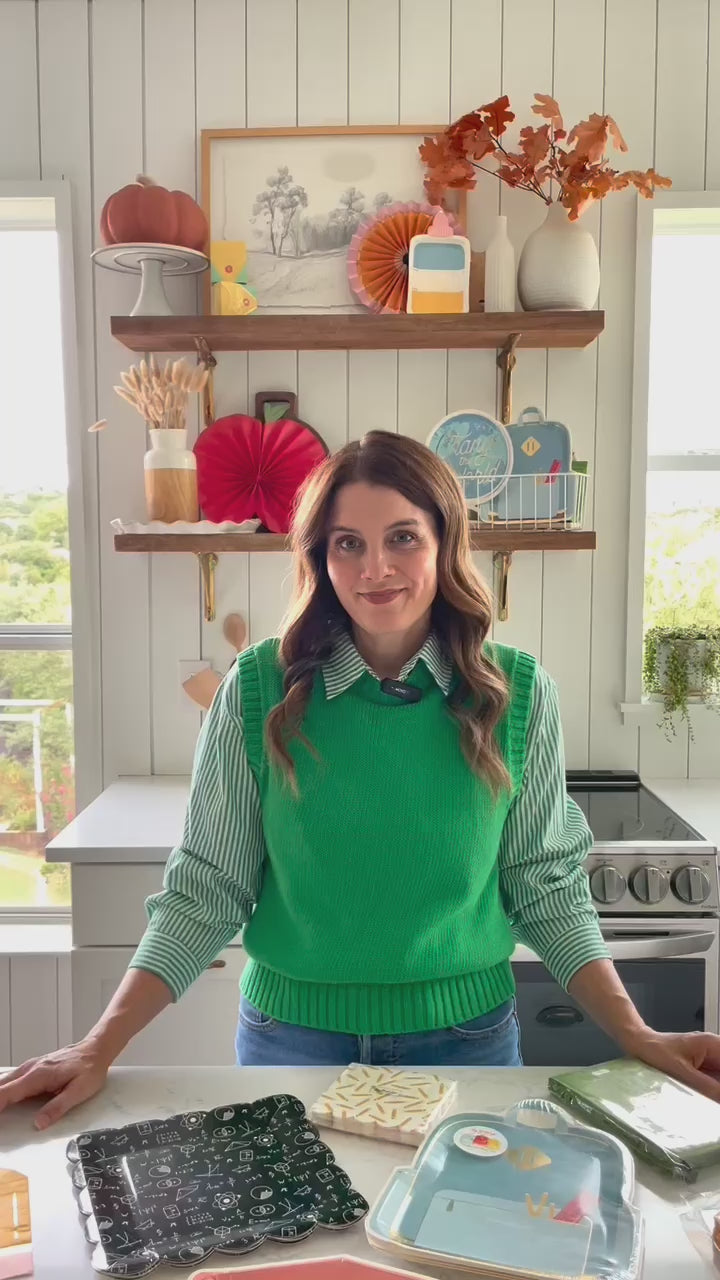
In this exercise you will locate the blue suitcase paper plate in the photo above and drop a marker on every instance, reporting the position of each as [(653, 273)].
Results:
[(541, 487), (527, 1192)]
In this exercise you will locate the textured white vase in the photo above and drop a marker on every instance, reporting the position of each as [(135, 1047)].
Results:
[(500, 270), (559, 267)]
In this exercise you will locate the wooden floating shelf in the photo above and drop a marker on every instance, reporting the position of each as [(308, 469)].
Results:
[(364, 331), (503, 540)]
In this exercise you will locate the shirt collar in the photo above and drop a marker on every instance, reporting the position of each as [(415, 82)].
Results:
[(345, 665)]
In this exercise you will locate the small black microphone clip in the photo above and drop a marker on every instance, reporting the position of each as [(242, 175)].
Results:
[(398, 689)]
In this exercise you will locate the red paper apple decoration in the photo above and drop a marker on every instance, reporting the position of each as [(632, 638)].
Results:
[(145, 213), (247, 469)]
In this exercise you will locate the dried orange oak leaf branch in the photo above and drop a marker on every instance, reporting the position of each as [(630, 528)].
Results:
[(577, 162)]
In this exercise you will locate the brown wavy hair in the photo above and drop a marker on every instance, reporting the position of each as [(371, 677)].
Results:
[(461, 612)]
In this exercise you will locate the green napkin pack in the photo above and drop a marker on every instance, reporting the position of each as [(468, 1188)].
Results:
[(664, 1122)]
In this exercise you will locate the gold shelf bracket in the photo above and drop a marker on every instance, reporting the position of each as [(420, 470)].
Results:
[(208, 564), (206, 357), (502, 561), (506, 361)]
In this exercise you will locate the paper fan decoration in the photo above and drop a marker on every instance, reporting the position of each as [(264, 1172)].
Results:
[(247, 469), (378, 254)]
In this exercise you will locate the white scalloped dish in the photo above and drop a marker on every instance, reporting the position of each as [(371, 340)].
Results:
[(184, 526)]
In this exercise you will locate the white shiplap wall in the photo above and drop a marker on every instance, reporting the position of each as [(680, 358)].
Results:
[(97, 90)]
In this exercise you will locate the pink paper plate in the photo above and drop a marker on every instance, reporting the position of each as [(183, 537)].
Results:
[(310, 1269)]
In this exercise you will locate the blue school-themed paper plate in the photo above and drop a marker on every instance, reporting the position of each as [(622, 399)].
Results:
[(478, 449), (524, 1192)]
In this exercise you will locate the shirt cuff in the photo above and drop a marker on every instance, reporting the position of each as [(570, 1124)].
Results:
[(170, 960), (563, 955)]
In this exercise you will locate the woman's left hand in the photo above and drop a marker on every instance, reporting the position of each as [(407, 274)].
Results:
[(693, 1057)]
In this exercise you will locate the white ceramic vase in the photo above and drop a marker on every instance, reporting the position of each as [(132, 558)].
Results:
[(170, 477), (500, 270), (559, 268)]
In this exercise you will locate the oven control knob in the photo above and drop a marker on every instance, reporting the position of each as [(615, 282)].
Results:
[(606, 884), (649, 884), (691, 885)]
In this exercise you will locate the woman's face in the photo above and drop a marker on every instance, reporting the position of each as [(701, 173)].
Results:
[(381, 558)]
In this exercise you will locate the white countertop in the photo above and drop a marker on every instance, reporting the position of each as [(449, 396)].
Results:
[(132, 820), (141, 819), (697, 801), (47, 938), (60, 1250)]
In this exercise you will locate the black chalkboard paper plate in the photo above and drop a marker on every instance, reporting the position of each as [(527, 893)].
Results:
[(175, 1190)]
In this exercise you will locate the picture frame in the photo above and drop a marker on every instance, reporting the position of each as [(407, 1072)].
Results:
[(293, 198)]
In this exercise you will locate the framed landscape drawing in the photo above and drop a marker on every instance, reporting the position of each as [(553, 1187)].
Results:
[(295, 197)]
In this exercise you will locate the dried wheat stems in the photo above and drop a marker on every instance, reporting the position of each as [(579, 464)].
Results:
[(160, 396)]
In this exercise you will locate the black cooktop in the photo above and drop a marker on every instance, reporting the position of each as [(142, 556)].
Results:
[(620, 809)]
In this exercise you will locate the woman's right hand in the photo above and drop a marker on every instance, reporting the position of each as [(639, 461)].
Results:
[(70, 1076)]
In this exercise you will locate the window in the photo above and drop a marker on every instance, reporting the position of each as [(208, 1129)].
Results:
[(682, 548), (37, 765)]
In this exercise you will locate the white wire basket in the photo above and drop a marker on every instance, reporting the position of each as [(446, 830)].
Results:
[(537, 501)]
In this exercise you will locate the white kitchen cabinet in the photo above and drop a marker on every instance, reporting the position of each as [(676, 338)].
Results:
[(197, 1031), (5, 1060), (109, 902), (34, 1003), (39, 1005), (117, 849)]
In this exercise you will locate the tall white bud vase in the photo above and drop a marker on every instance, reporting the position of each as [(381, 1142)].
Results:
[(559, 267), (500, 270)]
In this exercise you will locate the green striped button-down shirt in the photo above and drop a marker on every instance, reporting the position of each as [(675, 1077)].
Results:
[(213, 877)]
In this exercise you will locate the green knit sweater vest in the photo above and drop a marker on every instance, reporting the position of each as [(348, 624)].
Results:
[(380, 911)]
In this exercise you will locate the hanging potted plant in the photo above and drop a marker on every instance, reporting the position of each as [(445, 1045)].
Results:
[(559, 266), (681, 666)]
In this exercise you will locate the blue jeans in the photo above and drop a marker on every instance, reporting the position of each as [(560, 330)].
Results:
[(492, 1040)]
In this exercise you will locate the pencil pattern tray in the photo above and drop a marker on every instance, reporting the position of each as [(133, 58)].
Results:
[(175, 1190)]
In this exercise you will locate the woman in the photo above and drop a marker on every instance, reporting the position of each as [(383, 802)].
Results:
[(379, 800)]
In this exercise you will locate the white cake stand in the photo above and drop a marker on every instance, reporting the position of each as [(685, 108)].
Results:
[(151, 262)]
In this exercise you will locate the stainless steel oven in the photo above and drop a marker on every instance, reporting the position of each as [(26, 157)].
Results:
[(654, 881), (669, 967)]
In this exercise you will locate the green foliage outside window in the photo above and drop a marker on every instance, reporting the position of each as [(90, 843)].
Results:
[(34, 588), (682, 606), (682, 568)]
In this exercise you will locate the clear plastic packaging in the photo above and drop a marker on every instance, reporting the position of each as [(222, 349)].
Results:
[(664, 1122), (701, 1223), (386, 1103), (527, 1191)]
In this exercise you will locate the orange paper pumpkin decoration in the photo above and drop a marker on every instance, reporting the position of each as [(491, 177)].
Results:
[(145, 213)]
